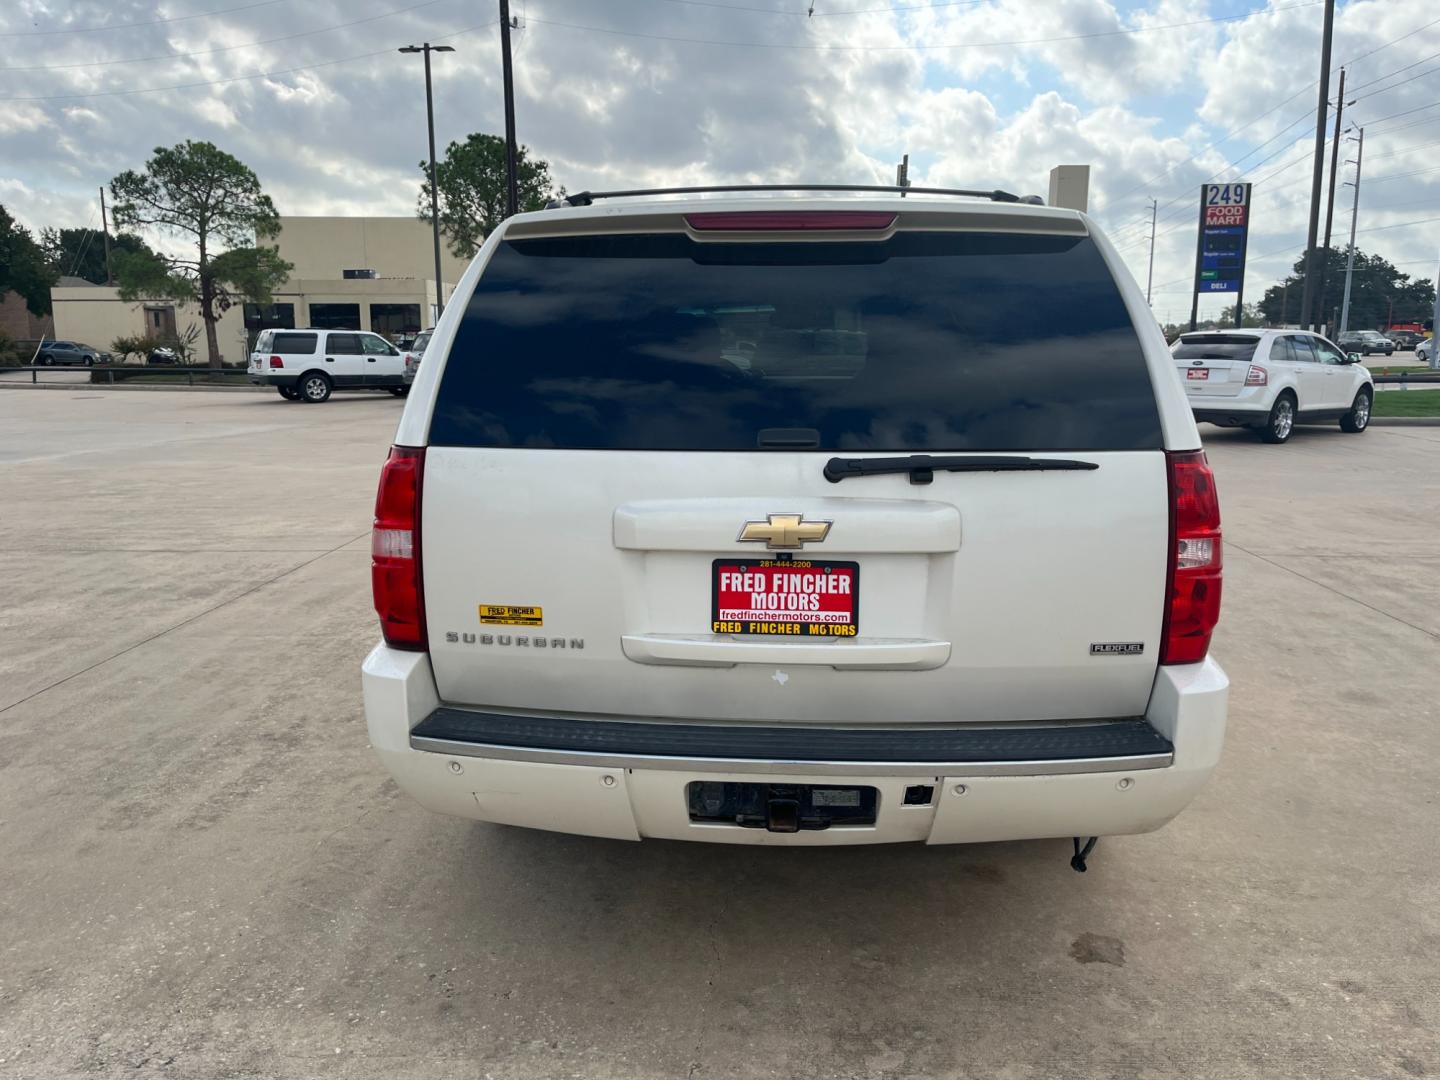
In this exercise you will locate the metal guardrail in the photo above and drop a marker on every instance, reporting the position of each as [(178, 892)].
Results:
[(1422, 375), (129, 372)]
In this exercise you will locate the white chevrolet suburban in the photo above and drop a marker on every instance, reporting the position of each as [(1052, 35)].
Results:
[(798, 520)]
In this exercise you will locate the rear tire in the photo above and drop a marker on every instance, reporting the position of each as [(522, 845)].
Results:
[(1280, 424), (288, 393), (314, 387), (1358, 418), (399, 391)]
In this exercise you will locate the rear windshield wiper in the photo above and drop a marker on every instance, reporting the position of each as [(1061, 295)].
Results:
[(921, 467)]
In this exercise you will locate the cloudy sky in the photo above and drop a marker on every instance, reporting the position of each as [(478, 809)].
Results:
[(1157, 96)]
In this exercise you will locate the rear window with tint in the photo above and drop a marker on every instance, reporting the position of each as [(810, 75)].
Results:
[(927, 341), (1217, 347), (294, 344)]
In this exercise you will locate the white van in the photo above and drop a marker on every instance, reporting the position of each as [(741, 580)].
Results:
[(306, 365), (798, 521)]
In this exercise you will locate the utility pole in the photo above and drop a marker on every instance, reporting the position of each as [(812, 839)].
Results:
[(1150, 276), (1340, 105), (1284, 301), (512, 182), (1354, 216), (427, 49), (1199, 260), (902, 174), (1435, 327), (1307, 303), (105, 227)]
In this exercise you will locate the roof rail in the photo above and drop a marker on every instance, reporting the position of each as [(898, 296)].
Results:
[(585, 198)]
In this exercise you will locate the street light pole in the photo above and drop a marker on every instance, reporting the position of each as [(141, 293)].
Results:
[(427, 49), (1354, 216), (512, 182)]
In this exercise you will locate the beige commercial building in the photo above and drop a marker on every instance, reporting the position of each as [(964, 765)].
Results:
[(349, 273)]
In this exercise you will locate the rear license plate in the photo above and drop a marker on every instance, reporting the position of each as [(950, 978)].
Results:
[(1197, 373), (785, 597)]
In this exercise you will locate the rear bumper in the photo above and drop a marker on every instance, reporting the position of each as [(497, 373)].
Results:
[(1250, 406), (628, 780), (262, 378)]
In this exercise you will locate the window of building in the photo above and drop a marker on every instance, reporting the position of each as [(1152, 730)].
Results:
[(160, 322), (393, 320), (335, 316), (269, 317)]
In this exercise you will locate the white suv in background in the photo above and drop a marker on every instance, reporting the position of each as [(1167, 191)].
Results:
[(798, 521), (306, 365), (1272, 380)]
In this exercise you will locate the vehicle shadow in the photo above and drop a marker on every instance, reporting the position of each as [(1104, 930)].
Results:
[(781, 902)]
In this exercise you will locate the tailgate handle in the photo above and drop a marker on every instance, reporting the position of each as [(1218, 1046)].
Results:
[(922, 467)]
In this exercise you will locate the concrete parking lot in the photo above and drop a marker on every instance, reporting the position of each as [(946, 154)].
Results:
[(204, 873)]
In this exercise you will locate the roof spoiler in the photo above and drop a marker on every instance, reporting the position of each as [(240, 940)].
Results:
[(586, 198)]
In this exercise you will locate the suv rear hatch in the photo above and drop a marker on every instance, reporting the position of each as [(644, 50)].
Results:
[(1214, 365), (627, 510)]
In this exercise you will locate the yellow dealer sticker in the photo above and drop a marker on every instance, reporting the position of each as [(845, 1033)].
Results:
[(511, 614)]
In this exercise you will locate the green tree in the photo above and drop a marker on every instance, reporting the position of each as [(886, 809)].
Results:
[(472, 189), (197, 191), (81, 252), (1376, 289), (1250, 316), (24, 269)]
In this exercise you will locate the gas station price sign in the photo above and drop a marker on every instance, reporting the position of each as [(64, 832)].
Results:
[(1224, 227)]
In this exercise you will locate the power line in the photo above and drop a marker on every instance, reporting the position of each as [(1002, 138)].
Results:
[(1399, 175), (1404, 150), (146, 22), (1184, 211), (1309, 86), (902, 7), (1406, 112), (1271, 175), (231, 48), (1407, 67), (1398, 225), (922, 48), (1430, 202), (1224, 138), (820, 14), (1395, 86), (1413, 123), (235, 78)]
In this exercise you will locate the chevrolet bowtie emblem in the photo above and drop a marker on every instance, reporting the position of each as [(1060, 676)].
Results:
[(784, 532)]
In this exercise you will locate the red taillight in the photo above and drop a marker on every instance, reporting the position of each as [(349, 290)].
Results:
[(1257, 376), (395, 550), (275, 361), (790, 220), (1194, 570)]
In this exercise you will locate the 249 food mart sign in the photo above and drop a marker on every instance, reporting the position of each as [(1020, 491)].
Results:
[(1224, 231)]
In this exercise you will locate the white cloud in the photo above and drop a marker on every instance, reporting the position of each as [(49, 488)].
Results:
[(610, 110)]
